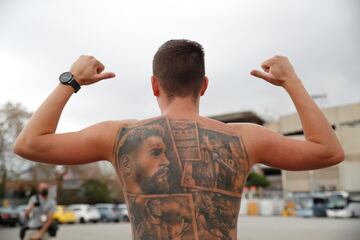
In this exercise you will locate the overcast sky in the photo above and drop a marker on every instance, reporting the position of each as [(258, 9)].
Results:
[(40, 39)]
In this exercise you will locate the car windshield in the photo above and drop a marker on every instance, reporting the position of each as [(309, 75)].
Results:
[(336, 202)]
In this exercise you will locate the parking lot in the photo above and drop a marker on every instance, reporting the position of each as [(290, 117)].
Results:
[(249, 228)]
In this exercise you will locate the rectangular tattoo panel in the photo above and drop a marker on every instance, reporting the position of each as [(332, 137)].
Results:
[(222, 166), (216, 215), (186, 139), (165, 216), (147, 160)]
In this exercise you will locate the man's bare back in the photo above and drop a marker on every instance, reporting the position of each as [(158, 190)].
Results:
[(183, 179), (182, 174)]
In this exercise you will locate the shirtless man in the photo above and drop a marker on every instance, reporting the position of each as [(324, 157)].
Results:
[(191, 164)]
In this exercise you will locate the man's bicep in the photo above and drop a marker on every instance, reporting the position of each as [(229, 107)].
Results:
[(91, 144), (275, 150)]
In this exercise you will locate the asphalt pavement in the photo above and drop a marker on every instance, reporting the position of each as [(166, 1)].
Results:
[(249, 228)]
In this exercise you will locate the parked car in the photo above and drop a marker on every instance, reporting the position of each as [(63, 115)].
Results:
[(8, 217), (344, 204), (311, 204), (85, 213), (21, 213), (123, 212), (108, 212), (64, 215)]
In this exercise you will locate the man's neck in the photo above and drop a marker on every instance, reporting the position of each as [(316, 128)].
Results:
[(181, 108)]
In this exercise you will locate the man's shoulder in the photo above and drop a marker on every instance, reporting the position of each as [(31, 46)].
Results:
[(202, 122), (242, 128), (108, 126), (239, 128)]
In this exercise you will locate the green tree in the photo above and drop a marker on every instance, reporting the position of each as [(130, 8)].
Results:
[(258, 180), (95, 191)]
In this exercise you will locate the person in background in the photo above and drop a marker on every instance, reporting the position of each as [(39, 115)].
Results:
[(39, 214)]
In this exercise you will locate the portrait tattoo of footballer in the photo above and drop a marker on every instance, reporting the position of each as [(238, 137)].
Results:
[(147, 161)]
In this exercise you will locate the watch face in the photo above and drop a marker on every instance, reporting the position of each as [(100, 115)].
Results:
[(65, 77)]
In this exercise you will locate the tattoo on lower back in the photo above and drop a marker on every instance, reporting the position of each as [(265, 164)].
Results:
[(181, 179), (163, 216)]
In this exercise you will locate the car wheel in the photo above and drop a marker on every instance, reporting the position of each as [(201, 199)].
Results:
[(82, 220)]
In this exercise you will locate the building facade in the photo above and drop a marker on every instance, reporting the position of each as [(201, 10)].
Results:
[(345, 120)]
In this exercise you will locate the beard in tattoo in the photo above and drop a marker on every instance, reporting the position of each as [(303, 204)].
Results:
[(157, 183), (145, 164), (152, 166)]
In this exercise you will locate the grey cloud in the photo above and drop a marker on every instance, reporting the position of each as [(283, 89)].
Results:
[(40, 39)]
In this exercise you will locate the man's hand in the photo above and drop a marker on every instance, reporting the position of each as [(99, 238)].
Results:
[(87, 70), (277, 71)]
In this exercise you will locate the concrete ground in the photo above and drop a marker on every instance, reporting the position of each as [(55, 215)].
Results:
[(249, 228)]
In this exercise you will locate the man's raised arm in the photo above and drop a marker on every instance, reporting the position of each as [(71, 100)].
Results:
[(321, 147), (38, 140)]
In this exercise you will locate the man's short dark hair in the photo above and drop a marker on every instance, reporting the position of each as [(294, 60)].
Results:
[(179, 66), (135, 137)]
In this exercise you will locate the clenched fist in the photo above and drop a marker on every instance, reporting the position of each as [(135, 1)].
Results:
[(277, 71), (87, 70)]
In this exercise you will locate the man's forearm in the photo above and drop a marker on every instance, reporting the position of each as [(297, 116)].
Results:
[(316, 127), (46, 117), (47, 224)]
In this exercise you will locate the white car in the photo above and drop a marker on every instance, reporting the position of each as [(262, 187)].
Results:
[(85, 213), (343, 204), (123, 212)]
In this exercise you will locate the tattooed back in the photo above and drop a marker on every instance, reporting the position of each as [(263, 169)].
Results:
[(182, 179)]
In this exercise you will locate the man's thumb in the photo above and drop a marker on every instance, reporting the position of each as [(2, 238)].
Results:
[(104, 75), (260, 74)]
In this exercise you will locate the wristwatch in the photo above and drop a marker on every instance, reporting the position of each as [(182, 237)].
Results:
[(68, 79)]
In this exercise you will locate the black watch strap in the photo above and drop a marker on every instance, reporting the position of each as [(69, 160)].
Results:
[(75, 85)]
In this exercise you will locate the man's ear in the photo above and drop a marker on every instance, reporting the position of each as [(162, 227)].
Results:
[(204, 86), (126, 165), (155, 86)]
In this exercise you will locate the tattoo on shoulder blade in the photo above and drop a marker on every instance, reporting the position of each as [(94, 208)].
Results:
[(221, 167), (147, 161)]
